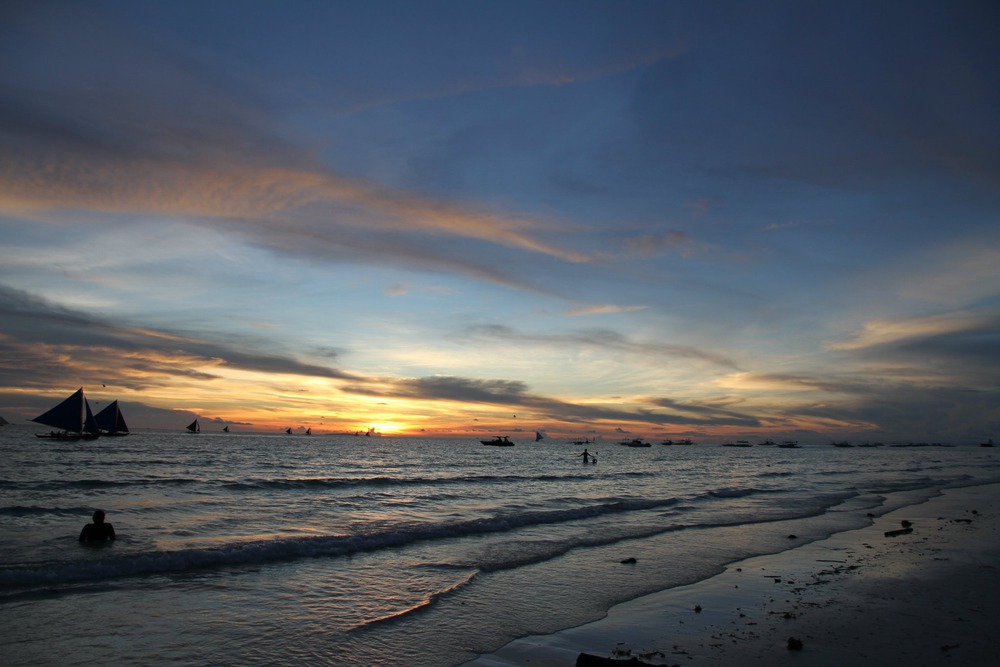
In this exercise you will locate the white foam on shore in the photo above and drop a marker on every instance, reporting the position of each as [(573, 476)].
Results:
[(856, 598)]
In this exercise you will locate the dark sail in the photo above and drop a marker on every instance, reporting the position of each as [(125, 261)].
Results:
[(110, 420), (68, 415)]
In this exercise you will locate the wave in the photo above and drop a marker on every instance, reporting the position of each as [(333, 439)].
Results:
[(96, 484), (34, 511), (264, 551), (420, 606), (740, 492), (386, 480)]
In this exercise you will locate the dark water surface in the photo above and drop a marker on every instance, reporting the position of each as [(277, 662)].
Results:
[(354, 550)]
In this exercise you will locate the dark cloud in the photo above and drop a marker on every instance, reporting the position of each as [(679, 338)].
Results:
[(705, 415), (51, 340), (515, 395)]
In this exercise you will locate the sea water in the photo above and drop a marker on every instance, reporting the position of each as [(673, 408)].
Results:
[(343, 550)]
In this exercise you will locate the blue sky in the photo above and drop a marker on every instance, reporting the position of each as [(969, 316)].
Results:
[(666, 219)]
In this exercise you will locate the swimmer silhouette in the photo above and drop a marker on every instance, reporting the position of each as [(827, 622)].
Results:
[(97, 531)]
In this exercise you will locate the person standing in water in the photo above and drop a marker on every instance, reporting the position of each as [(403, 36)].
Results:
[(585, 455), (99, 531)]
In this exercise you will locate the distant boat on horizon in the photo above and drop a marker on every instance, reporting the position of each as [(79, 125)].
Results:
[(499, 441), (110, 420), (538, 436), (72, 417), (225, 428), (3, 422), (194, 427)]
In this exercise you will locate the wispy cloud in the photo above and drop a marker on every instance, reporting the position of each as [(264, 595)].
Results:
[(604, 339), (59, 343)]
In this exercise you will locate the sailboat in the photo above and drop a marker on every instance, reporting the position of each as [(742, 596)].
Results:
[(110, 420), (3, 422), (193, 427), (309, 431), (225, 428), (72, 417), (538, 436), (288, 430)]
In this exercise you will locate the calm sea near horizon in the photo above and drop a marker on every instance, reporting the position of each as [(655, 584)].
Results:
[(268, 549)]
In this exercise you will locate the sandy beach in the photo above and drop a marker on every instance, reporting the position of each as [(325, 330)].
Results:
[(927, 596)]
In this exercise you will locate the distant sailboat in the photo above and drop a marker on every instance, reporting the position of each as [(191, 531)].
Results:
[(226, 428), (193, 427), (110, 420), (3, 422), (538, 436), (72, 417), (288, 430), (309, 431)]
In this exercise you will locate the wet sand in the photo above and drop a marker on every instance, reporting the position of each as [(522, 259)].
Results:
[(930, 596)]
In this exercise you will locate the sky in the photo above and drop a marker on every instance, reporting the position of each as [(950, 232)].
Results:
[(652, 219)]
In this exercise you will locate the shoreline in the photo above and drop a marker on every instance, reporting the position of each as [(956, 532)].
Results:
[(861, 597)]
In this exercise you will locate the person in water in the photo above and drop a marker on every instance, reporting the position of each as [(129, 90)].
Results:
[(99, 531), (585, 455)]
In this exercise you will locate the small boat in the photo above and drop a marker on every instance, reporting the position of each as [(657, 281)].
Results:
[(288, 430), (3, 422), (194, 427), (767, 443), (842, 444), (499, 441), (72, 417), (538, 436), (635, 443), (110, 420), (988, 443), (685, 441), (225, 429), (738, 443), (309, 431), (585, 441), (790, 444)]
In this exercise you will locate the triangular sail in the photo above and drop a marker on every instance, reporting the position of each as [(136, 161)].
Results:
[(3, 422), (89, 423), (110, 419), (226, 428), (538, 436), (68, 415), (194, 427)]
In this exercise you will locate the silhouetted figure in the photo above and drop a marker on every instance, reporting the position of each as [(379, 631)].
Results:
[(97, 531), (585, 455)]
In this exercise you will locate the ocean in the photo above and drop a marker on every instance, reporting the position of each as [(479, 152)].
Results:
[(344, 550)]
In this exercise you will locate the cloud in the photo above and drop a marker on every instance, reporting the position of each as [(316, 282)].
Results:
[(603, 339), (605, 309), (889, 331), (58, 342), (515, 395), (705, 415)]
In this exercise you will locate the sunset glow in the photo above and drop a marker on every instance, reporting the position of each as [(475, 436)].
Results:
[(588, 219)]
